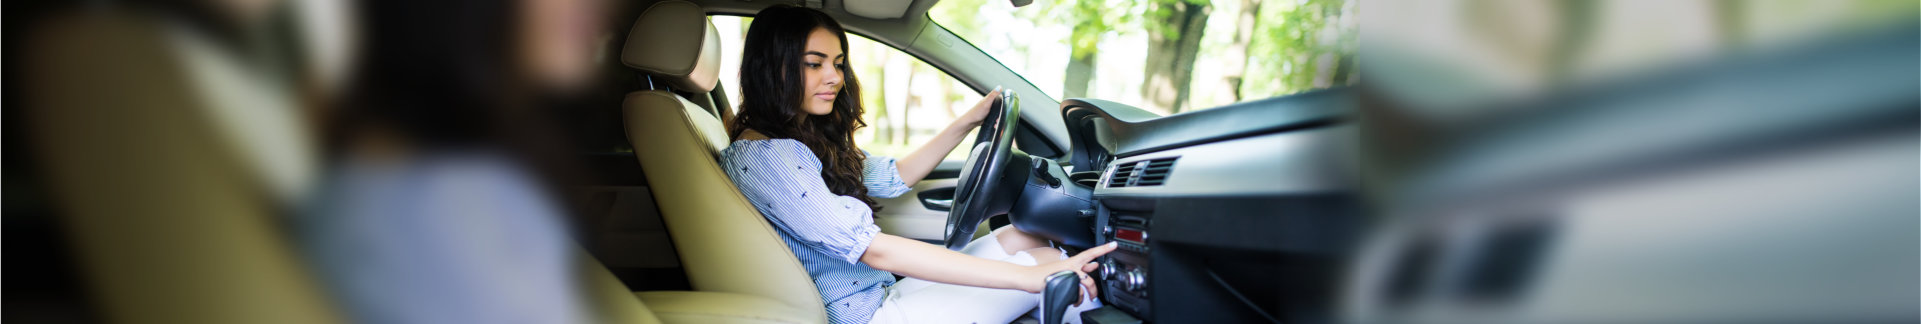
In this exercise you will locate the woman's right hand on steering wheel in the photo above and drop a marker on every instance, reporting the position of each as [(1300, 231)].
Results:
[(1081, 264)]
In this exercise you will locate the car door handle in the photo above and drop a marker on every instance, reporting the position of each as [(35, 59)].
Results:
[(942, 203), (937, 199)]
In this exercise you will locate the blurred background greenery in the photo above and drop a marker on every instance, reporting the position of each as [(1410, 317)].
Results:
[(1166, 56)]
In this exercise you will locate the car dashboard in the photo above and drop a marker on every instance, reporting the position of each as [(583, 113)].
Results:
[(1232, 214)]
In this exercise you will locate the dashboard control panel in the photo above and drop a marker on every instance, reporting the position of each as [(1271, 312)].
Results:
[(1125, 272)]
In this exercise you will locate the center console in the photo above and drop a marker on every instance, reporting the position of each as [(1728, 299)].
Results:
[(1234, 214), (1124, 272), (1239, 231)]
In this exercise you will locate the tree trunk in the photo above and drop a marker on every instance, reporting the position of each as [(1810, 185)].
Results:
[(1080, 72), (1235, 60), (1084, 42), (1170, 54), (907, 108), (898, 75), (876, 86), (942, 90)]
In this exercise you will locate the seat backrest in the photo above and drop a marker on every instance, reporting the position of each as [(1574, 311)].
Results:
[(171, 165), (168, 161), (724, 243)]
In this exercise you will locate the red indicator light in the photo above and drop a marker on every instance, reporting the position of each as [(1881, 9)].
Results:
[(1130, 235)]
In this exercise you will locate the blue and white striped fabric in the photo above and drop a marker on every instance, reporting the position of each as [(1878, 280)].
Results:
[(827, 232), (441, 237), (882, 177)]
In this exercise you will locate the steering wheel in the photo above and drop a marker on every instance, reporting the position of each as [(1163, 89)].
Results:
[(983, 190)]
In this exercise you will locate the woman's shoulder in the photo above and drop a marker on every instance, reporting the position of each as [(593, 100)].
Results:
[(749, 134)]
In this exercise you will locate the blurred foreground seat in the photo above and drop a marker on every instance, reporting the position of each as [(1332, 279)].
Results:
[(172, 163), (168, 160)]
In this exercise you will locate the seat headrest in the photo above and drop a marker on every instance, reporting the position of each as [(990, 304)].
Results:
[(673, 41)]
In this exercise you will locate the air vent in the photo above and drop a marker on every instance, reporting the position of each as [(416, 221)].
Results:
[(1141, 173), (1123, 174)]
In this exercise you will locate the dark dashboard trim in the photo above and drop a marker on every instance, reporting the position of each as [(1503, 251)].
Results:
[(1130, 131), (1305, 124)]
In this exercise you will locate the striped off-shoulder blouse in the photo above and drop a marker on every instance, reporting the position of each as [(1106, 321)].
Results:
[(827, 232)]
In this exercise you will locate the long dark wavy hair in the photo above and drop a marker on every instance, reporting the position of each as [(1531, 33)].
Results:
[(449, 83), (771, 96)]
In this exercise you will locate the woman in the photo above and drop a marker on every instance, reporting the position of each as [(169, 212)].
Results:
[(794, 157), (438, 204)]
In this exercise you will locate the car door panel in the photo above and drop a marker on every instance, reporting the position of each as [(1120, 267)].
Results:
[(918, 214), (907, 216)]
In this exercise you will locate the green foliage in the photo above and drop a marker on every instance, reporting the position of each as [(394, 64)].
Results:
[(1159, 11), (1090, 20), (1291, 39), (1290, 43), (954, 15)]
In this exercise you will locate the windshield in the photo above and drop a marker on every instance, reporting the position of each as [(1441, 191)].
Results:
[(1166, 56)]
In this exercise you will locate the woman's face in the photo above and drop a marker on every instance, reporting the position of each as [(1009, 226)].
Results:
[(822, 64), (557, 42)]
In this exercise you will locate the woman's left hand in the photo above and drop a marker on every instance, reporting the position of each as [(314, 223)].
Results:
[(978, 114)]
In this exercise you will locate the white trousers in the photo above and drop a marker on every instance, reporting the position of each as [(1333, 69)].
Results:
[(920, 301)]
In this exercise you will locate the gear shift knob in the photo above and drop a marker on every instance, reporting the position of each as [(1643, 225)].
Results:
[(1062, 289)]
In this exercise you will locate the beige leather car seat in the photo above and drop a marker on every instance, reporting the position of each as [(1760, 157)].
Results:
[(135, 121), (170, 163), (724, 244)]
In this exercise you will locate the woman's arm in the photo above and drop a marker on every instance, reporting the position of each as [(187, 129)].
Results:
[(915, 166), (916, 259)]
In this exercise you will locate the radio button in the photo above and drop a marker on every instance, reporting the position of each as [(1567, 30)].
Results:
[(1109, 268), (1134, 280)]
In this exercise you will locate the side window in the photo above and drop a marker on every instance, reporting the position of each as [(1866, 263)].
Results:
[(907, 101)]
